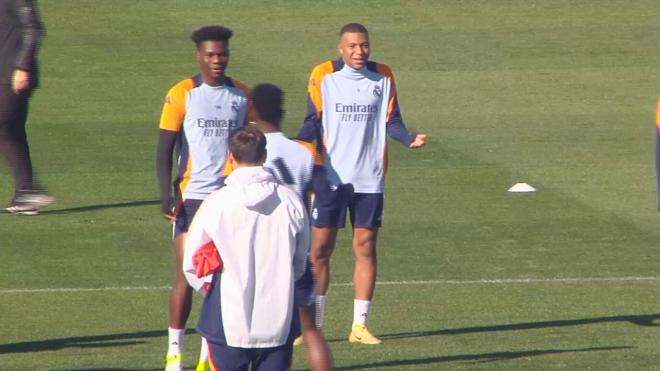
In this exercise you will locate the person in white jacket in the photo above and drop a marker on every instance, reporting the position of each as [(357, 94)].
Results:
[(251, 238), (292, 163)]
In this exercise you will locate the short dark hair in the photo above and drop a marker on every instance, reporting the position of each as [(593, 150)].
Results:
[(267, 100), (353, 28), (248, 146), (215, 33)]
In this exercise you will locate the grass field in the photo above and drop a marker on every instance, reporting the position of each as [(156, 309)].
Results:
[(558, 94)]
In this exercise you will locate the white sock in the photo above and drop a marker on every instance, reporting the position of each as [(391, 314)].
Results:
[(204, 351), (361, 309), (175, 341), (320, 310)]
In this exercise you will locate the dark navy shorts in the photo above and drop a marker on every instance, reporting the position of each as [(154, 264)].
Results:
[(225, 358), (365, 209), (185, 216)]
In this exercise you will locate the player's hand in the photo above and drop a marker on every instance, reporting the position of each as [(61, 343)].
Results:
[(420, 141), (20, 81), (170, 212), (171, 216)]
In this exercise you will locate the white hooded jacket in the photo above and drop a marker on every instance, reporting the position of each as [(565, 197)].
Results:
[(261, 232)]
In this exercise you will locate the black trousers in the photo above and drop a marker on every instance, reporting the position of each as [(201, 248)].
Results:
[(13, 137)]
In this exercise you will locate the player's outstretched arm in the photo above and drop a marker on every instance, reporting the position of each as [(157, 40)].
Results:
[(418, 142)]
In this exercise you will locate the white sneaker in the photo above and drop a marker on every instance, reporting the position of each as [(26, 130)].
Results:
[(22, 209), (30, 203)]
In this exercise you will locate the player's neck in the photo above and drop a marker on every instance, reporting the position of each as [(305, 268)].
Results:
[(214, 82), (353, 71), (266, 127)]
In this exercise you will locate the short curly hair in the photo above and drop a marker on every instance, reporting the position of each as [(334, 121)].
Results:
[(214, 33), (267, 101), (353, 28)]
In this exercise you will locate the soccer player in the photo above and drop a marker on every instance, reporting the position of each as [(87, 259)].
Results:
[(199, 115), (260, 230), (20, 33), (352, 108), (292, 163)]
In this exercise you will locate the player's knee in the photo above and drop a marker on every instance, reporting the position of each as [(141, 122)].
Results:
[(366, 252), (321, 253), (322, 247)]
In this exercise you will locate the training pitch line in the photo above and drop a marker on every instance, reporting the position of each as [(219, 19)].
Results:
[(379, 283)]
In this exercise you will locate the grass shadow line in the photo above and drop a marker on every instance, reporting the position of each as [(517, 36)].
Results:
[(478, 358), (100, 341), (99, 207), (640, 320)]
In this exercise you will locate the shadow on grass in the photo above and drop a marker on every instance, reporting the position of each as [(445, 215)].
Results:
[(99, 207), (99, 341), (133, 338), (640, 320), (476, 358)]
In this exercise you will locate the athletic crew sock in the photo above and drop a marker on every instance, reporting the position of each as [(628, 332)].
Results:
[(175, 336), (361, 309)]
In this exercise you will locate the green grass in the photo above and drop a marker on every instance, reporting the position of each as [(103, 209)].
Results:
[(559, 94)]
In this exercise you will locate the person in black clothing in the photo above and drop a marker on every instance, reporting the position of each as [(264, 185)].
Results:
[(20, 32)]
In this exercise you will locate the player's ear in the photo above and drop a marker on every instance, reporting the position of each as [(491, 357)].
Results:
[(252, 114), (231, 160)]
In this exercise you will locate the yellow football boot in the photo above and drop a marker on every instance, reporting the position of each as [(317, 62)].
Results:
[(360, 334)]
